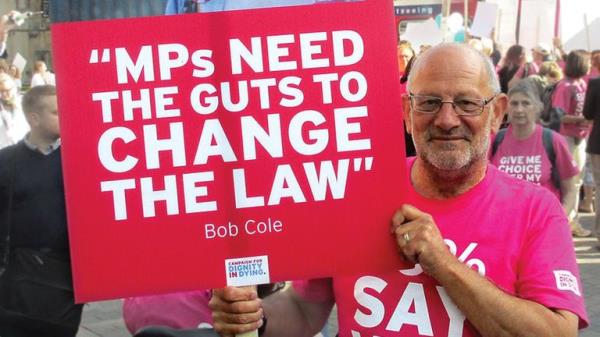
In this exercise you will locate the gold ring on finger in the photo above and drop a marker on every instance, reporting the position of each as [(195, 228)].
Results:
[(406, 237)]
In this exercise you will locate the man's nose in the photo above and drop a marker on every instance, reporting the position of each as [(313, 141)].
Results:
[(447, 118)]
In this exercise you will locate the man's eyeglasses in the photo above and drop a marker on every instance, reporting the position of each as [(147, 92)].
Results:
[(462, 106)]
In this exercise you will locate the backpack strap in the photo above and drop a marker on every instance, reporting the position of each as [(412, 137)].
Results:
[(549, 147), (497, 140)]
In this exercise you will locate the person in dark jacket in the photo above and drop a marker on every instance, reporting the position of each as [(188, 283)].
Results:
[(591, 111), (31, 182), (514, 59)]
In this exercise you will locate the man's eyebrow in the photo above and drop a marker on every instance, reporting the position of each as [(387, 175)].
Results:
[(470, 94), (463, 94), (426, 93)]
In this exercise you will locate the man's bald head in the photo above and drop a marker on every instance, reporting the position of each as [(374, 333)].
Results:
[(452, 145), (455, 56)]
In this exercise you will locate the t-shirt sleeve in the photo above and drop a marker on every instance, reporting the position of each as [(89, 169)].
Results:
[(315, 290), (547, 270), (566, 166), (561, 97)]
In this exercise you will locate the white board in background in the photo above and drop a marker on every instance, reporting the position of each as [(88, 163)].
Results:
[(20, 62), (423, 33), (485, 19)]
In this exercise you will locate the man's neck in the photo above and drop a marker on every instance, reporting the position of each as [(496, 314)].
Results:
[(434, 183), (40, 142)]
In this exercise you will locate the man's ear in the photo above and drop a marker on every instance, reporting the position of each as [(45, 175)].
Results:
[(499, 110), (406, 113), (32, 118)]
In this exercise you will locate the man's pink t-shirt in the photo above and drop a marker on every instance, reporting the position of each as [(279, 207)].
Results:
[(512, 232), (569, 95), (528, 160)]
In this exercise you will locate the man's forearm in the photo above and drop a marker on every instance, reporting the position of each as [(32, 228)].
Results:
[(495, 313), (573, 119), (568, 194)]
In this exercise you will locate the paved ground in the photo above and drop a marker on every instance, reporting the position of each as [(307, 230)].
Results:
[(103, 319)]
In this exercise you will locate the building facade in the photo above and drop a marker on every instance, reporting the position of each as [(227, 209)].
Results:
[(32, 39)]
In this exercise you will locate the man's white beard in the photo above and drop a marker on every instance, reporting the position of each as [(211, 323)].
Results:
[(451, 159)]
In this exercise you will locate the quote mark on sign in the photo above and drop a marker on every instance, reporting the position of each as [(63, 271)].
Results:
[(95, 54), (358, 163)]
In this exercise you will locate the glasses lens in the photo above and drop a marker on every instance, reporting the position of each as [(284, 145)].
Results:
[(427, 104), (469, 105)]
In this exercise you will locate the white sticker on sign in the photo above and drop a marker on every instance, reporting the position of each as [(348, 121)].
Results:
[(565, 280), (247, 271)]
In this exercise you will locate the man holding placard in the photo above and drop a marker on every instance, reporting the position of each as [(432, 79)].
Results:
[(468, 260)]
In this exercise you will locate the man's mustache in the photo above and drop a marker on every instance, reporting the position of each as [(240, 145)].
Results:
[(452, 134)]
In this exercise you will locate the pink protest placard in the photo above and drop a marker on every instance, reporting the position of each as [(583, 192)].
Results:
[(240, 147)]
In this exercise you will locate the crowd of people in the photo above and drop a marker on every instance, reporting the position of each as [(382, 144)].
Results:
[(472, 118), (556, 85), (36, 291), (13, 126)]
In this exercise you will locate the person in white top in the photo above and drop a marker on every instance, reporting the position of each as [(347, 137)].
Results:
[(15, 73), (41, 75), (13, 125)]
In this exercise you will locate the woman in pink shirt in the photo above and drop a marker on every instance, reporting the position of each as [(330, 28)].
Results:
[(521, 150), (569, 96)]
